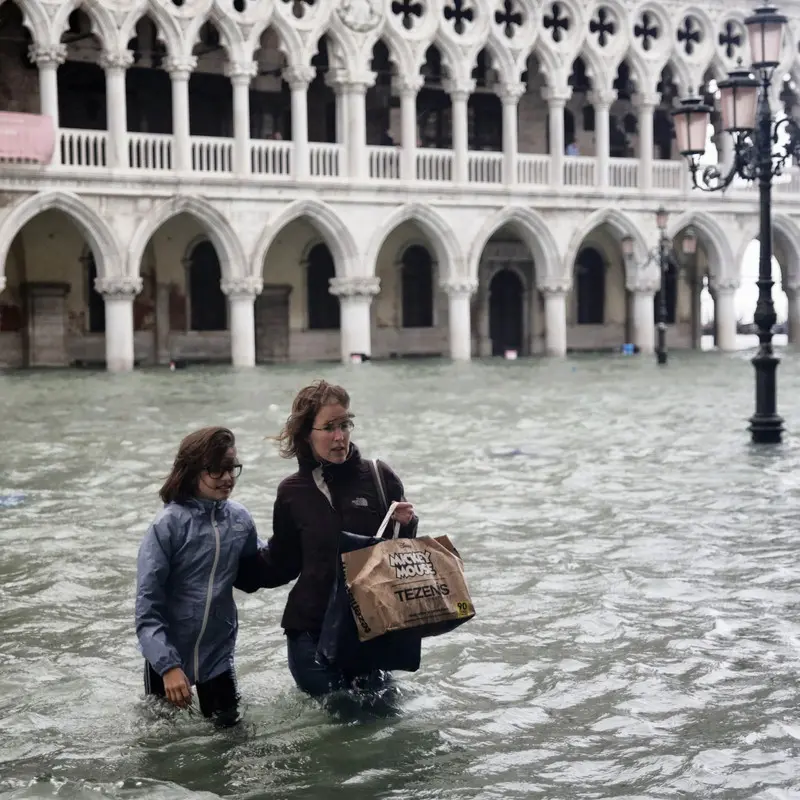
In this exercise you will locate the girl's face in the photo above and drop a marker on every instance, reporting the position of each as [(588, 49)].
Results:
[(216, 481), (330, 433)]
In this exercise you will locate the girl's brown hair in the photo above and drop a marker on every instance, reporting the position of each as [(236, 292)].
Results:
[(198, 451), (293, 438)]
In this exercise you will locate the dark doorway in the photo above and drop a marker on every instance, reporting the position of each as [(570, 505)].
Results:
[(207, 303), (96, 302), (505, 312), (591, 277), (417, 288), (323, 307)]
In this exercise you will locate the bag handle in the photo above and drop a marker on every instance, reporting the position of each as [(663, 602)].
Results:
[(376, 474)]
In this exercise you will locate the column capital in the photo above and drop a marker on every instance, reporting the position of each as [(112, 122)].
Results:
[(408, 84), (242, 288), (352, 82), (49, 55), (646, 100), (554, 286), (299, 76), (119, 287), (458, 90), (241, 72), (357, 286), (602, 98), (557, 97), (181, 66), (119, 60), (510, 93), (459, 287), (724, 284), (643, 279)]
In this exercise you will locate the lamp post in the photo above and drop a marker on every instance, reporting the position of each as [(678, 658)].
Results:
[(663, 255), (747, 117)]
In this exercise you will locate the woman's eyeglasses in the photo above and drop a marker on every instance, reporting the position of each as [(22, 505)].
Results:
[(345, 427), (235, 469)]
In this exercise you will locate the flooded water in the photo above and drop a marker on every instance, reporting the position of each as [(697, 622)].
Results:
[(633, 561)]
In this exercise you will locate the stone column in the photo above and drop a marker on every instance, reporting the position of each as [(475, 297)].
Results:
[(459, 295), (298, 78), (48, 60), (116, 66), (725, 312), (119, 293), (352, 95), (355, 296), (179, 71), (510, 94), (409, 88), (241, 293), (459, 95), (792, 289), (555, 316), (602, 99), (644, 319), (556, 100), (646, 105), (240, 75)]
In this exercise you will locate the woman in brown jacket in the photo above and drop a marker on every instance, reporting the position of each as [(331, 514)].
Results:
[(333, 490)]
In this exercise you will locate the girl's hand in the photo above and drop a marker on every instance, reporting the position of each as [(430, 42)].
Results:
[(177, 687), (403, 513)]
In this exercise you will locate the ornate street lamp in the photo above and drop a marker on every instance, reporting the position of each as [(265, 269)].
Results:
[(747, 117)]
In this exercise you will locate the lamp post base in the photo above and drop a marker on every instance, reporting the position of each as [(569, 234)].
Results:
[(661, 356), (766, 426)]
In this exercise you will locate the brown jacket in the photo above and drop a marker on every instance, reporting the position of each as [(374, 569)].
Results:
[(312, 507)]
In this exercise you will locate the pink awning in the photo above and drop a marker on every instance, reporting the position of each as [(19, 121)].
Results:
[(26, 138)]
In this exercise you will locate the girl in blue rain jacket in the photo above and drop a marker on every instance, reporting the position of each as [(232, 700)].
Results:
[(186, 619)]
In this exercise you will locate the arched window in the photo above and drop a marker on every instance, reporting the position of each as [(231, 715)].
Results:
[(96, 303), (417, 288), (207, 303), (323, 307), (591, 278), (505, 312)]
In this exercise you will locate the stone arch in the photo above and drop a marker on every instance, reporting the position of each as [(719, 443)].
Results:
[(101, 239), (336, 234), (220, 233), (103, 25), (787, 230), (721, 262), (501, 60), (229, 36), (35, 20), (620, 224), (534, 232), (441, 235), (166, 29), (289, 42)]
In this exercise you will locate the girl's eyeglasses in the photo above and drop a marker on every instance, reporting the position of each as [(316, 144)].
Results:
[(218, 472)]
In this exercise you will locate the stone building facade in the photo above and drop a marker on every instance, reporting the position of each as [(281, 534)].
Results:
[(263, 181)]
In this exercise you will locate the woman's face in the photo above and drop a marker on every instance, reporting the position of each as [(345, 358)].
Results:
[(330, 433)]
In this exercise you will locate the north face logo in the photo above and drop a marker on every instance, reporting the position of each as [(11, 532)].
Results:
[(360, 502)]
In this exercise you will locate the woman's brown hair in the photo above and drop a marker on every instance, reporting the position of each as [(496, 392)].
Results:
[(198, 451), (293, 438)]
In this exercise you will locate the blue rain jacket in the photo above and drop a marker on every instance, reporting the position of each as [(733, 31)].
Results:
[(185, 612)]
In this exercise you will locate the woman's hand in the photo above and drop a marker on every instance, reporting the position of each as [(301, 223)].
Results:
[(177, 687), (403, 513)]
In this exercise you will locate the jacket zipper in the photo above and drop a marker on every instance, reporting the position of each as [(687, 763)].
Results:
[(208, 597)]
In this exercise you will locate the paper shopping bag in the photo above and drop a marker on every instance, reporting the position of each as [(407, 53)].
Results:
[(403, 584)]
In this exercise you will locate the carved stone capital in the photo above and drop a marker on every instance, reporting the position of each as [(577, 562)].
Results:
[(48, 56), (358, 286), (459, 90), (298, 77), (120, 60), (724, 284), (643, 280), (181, 66), (408, 84), (241, 72), (602, 98), (646, 101), (557, 97), (510, 93), (119, 287), (554, 286), (460, 287), (242, 288)]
